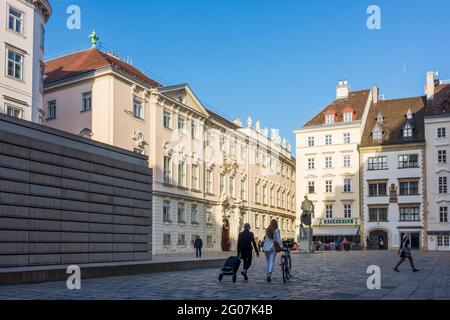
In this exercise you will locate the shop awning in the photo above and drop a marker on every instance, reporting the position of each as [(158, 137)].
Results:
[(335, 231)]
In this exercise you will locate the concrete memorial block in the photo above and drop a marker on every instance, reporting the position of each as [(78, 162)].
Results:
[(69, 200)]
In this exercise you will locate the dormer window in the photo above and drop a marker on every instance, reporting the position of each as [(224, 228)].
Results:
[(348, 116), (380, 119), (329, 119), (445, 107), (377, 133), (408, 131)]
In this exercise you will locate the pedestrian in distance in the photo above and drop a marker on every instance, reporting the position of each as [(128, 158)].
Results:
[(405, 253), (198, 245), (246, 244), (272, 245)]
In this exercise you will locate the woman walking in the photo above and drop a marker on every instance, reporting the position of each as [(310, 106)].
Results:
[(272, 242), (405, 253)]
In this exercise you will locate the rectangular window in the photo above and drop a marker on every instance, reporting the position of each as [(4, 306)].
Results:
[(243, 190), (348, 117), (443, 214), (347, 185), (15, 65), (42, 42), (181, 213), (409, 188), (137, 109), (347, 138), (222, 184), (311, 163), (347, 162), (329, 211), (181, 174), (209, 181), (209, 242), (377, 189), (378, 215), (257, 193), (167, 170), (181, 239), (347, 211), (194, 130), (328, 186), (378, 163), (14, 112), (329, 119), (311, 187), (195, 177), (86, 102), (167, 240), (408, 161), (442, 156), (51, 109), (311, 142), (232, 187), (441, 132), (167, 117), (409, 214), (222, 143), (328, 162), (194, 214), (328, 139), (166, 211), (209, 216), (243, 153), (15, 22), (443, 185), (181, 125)]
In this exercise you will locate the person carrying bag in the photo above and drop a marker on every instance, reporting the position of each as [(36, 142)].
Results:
[(272, 245)]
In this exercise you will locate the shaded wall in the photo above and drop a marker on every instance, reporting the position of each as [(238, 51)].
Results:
[(69, 200)]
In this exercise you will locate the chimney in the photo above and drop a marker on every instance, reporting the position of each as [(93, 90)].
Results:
[(342, 90), (432, 81), (375, 94)]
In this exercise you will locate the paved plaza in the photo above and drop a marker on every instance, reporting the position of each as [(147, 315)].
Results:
[(328, 275)]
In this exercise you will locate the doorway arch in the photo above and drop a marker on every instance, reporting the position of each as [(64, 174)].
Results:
[(379, 240)]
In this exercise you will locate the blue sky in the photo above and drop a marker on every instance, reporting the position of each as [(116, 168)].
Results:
[(277, 60)]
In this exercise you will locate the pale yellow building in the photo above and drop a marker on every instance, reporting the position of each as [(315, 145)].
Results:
[(211, 175)]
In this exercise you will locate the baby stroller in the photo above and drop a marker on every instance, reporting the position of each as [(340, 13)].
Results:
[(230, 268)]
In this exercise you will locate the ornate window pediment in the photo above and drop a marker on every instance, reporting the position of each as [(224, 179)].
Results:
[(138, 137)]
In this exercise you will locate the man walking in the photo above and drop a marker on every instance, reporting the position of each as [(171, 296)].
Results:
[(245, 250), (198, 245)]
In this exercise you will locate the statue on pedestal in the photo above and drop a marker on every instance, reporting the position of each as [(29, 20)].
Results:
[(306, 232)]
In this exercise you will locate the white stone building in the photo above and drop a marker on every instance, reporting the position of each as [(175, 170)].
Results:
[(22, 36), (328, 164), (393, 177), (437, 134)]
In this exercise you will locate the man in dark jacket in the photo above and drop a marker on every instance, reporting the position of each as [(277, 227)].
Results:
[(198, 245), (245, 251)]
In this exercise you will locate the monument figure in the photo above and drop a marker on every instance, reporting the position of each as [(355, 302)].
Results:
[(306, 232)]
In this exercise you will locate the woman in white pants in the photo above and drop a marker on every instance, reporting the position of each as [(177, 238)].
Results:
[(271, 240)]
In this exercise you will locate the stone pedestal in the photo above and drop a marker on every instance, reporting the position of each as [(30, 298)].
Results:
[(306, 240)]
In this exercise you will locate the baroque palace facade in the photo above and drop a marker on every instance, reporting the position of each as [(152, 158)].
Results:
[(377, 168), (211, 175)]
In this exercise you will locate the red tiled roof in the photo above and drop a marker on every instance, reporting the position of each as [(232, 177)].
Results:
[(221, 119), (356, 100), (86, 61)]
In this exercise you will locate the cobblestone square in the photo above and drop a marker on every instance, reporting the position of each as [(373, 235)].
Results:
[(330, 275)]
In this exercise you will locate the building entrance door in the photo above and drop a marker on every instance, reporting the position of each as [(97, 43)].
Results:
[(378, 240), (415, 240)]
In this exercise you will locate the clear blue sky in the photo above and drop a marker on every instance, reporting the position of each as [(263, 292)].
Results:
[(276, 60)]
